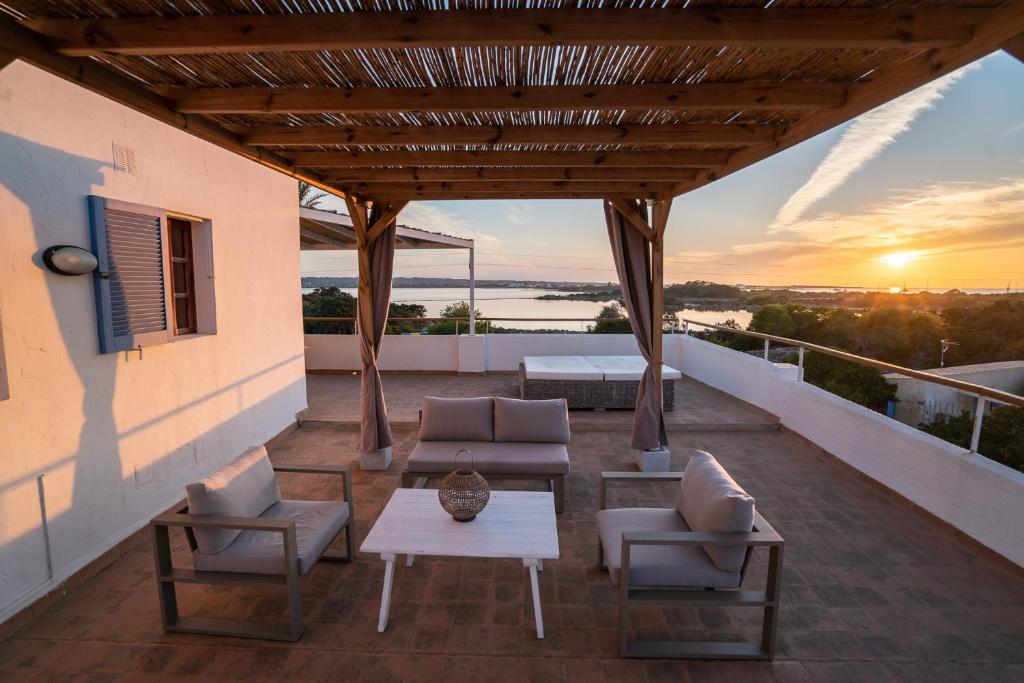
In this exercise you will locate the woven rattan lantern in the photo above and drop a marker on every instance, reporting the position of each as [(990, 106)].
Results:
[(463, 493)]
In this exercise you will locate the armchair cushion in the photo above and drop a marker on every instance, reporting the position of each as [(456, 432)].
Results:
[(262, 552), (709, 500), (457, 419), (245, 487), (537, 421), (658, 565)]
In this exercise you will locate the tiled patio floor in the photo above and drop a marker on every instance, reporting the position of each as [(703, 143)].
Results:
[(698, 407), (872, 593)]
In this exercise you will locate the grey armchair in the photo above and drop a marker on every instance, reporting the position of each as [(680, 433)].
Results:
[(241, 533), (686, 555)]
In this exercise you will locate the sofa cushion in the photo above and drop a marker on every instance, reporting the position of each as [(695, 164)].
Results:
[(537, 421), (491, 457), (262, 552), (658, 565), (709, 500), (245, 487), (457, 419), (627, 368)]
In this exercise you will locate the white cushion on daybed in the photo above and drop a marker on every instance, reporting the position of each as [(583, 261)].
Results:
[(621, 368), (560, 367)]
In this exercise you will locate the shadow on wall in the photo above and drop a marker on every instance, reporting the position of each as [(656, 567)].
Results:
[(98, 508), (50, 211)]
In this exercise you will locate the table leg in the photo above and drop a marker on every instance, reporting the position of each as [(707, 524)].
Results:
[(385, 598), (535, 587)]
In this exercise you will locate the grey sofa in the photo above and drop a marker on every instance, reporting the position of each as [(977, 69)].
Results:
[(695, 554), (508, 439), (242, 533)]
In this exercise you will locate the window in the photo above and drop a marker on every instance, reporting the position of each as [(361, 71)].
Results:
[(154, 282), (182, 276)]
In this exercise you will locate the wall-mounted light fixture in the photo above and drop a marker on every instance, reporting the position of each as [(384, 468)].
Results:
[(65, 259)]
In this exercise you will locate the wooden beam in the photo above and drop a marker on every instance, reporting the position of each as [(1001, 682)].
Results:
[(390, 213), (634, 215), (675, 158), (1015, 47), (888, 82), (627, 134), (448, 195), (406, 189), (357, 214), (6, 58), (730, 96), (676, 27), (322, 239), (30, 47), (484, 173)]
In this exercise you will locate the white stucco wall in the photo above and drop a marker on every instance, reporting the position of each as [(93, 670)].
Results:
[(115, 439), (982, 498)]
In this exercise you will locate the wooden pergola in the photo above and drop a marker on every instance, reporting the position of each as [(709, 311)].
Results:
[(631, 101)]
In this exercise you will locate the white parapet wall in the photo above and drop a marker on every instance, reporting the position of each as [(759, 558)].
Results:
[(465, 353), (409, 353), (94, 445), (981, 498)]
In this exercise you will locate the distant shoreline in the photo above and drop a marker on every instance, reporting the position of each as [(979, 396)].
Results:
[(586, 291)]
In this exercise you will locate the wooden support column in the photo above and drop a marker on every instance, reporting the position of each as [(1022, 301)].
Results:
[(391, 211), (357, 212), (658, 223)]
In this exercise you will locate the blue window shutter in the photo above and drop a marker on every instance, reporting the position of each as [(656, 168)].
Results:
[(131, 279)]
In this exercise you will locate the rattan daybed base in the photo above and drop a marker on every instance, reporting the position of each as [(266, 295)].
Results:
[(590, 393)]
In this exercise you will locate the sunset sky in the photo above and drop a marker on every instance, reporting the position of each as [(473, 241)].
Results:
[(927, 190)]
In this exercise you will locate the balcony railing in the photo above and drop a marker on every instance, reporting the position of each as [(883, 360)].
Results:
[(983, 394)]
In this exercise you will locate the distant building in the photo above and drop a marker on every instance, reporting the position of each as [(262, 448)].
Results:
[(921, 401)]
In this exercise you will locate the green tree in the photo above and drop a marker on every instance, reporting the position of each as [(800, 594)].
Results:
[(459, 309), (611, 320), (861, 384), (331, 302), (309, 196), (900, 336), (986, 333), (776, 319), (1002, 433), (328, 302)]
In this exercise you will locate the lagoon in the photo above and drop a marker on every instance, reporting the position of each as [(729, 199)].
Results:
[(523, 303)]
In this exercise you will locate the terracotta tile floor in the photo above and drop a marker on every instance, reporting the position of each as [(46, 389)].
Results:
[(698, 407), (871, 593)]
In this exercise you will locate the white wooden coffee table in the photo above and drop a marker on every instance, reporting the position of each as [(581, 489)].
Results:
[(515, 524)]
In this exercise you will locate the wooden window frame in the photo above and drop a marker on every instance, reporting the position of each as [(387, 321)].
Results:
[(188, 296)]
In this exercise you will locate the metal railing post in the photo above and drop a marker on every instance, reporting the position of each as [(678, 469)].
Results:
[(766, 344), (456, 328), (979, 418), (800, 365)]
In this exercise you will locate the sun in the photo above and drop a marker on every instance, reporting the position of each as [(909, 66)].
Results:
[(898, 259)]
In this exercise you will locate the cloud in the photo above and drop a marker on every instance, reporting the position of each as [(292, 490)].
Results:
[(936, 220), (428, 216), (864, 140), (517, 213)]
